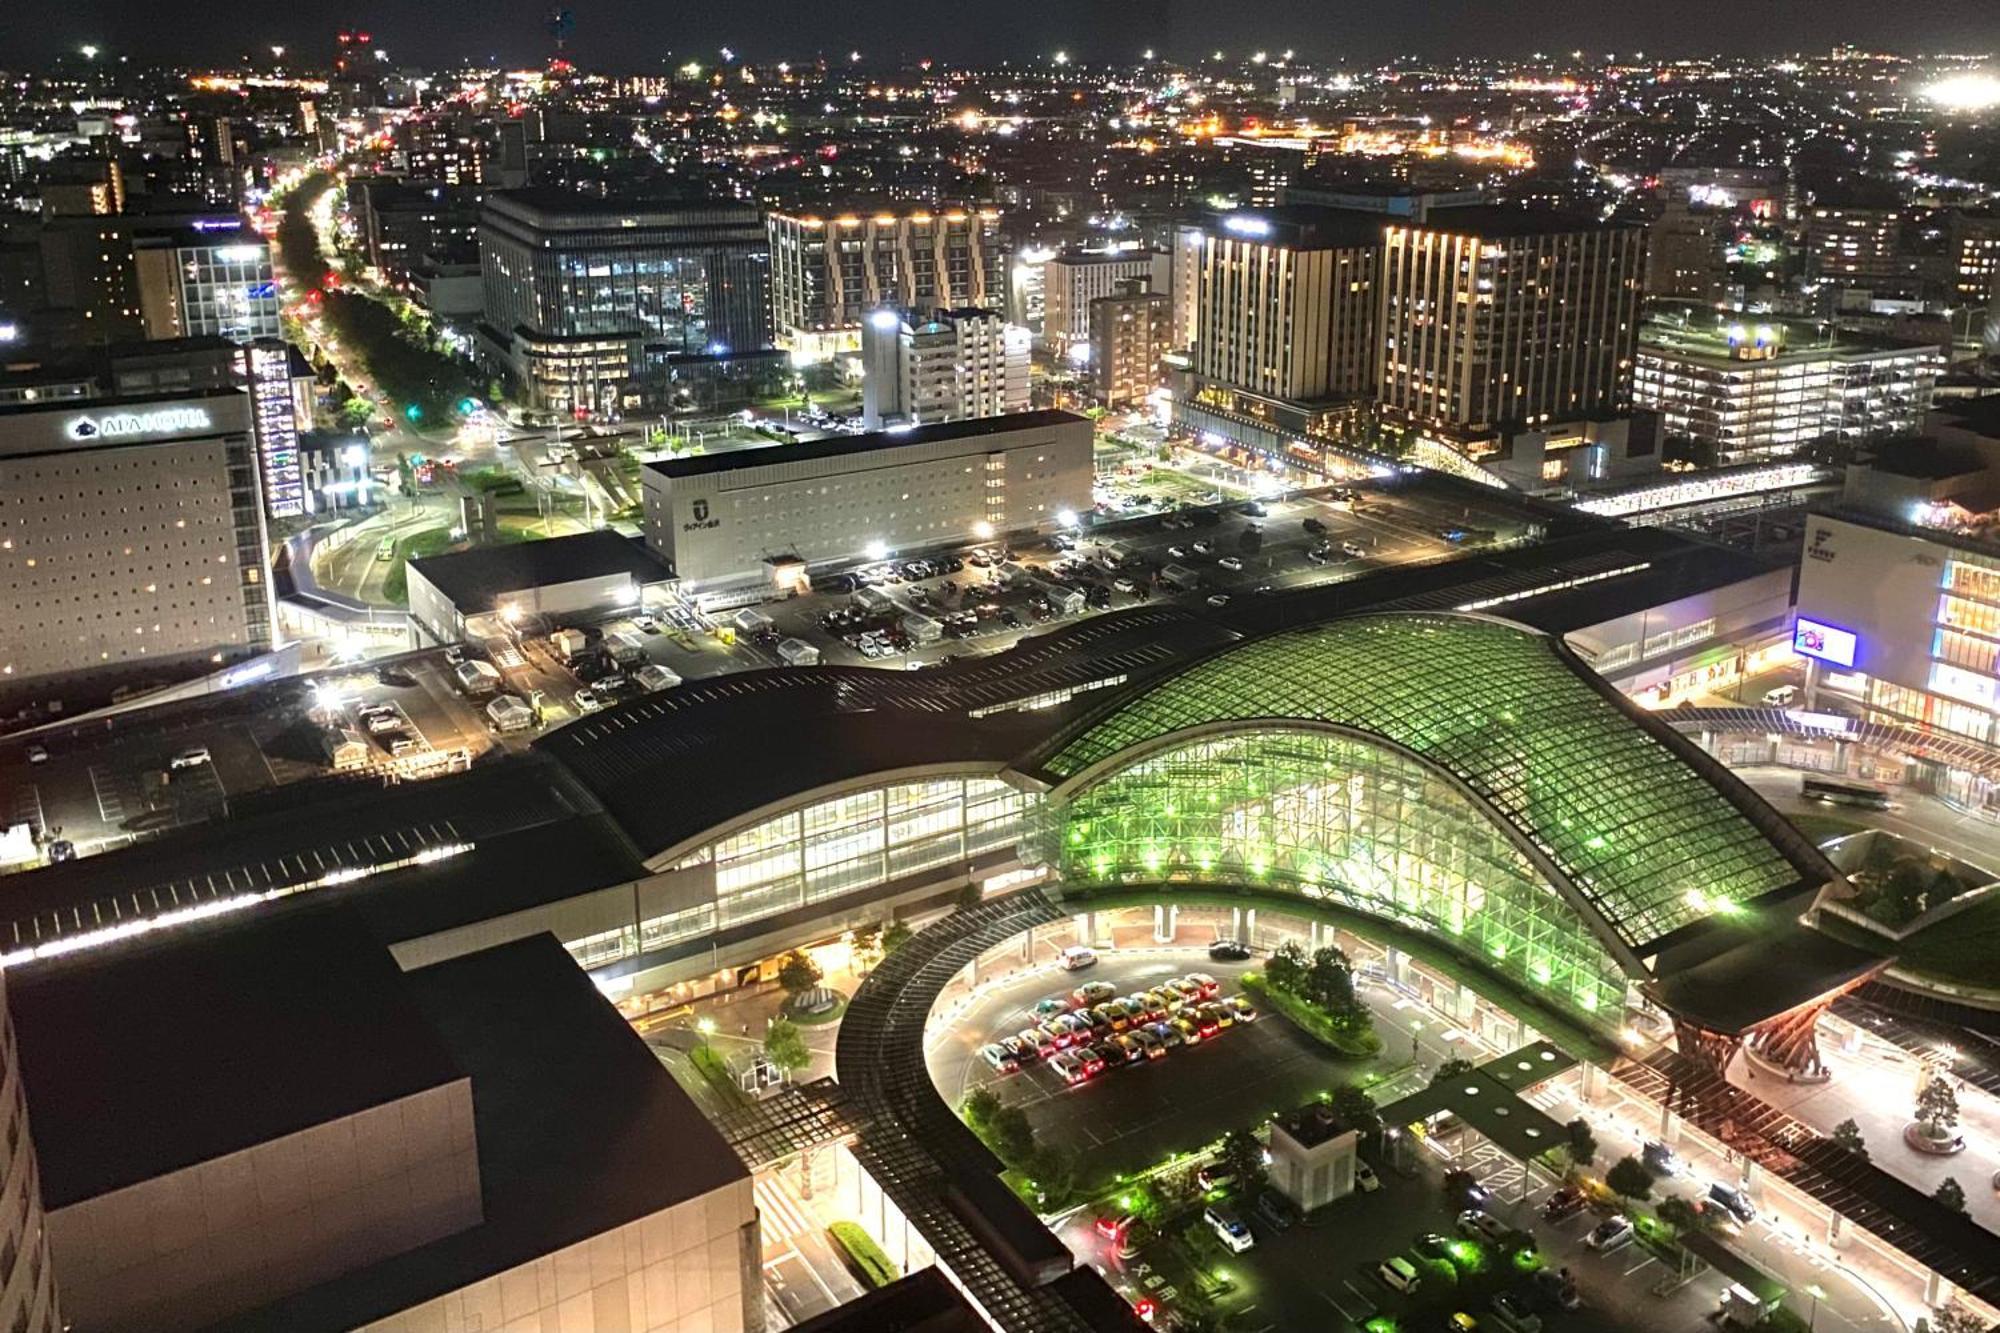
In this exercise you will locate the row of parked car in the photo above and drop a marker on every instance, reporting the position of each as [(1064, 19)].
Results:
[(1094, 1028)]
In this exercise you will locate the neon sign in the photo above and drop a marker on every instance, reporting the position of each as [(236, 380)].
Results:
[(119, 425)]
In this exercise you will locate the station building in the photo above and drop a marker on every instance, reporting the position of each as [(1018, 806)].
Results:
[(735, 517)]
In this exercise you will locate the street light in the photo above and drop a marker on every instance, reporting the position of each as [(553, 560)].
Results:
[(1817, 1294), (89, 52)]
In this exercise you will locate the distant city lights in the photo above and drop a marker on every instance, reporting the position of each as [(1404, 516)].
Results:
[(1965, 92)]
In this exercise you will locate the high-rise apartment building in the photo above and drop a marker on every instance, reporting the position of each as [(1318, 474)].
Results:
[(594, 304), (1975, 259), (1851, 246), (1287, 307), (1684, 253), (947, 365), (132, 534), (829, 271), (438, 148), (1495, 321), (1072, 279), (27, 1279), (1129, 333)]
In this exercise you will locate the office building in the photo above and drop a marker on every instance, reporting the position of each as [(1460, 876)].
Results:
[(1496, 322), (1288, 305), (132, 537), (595, 305), (945, 365), (1740, 390), (128, 276), (404, 225), (1860, 247), (441, 148), (736, 517), (829, 270), (1190, 244), (1129, 334), (269, 1125), (1072, 279)]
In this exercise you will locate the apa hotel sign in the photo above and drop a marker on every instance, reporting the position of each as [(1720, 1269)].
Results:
[(122, 425)]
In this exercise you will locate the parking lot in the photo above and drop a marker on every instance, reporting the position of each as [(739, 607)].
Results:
[(106, 783)]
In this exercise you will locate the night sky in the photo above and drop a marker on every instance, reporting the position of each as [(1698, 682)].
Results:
[(620, 35)]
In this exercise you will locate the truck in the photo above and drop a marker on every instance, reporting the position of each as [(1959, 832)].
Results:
[(569, 644), (625, 647), (476, 677), (1181, 577), (922, 630), (797, 652)]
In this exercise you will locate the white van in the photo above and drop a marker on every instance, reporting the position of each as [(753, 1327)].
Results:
[(1398, 1274), (1228, 1228), (1782, 696), (1077, 957)]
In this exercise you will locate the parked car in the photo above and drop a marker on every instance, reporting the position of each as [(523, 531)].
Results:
[(1092, 993), (1613, 1233), (194, 757), (1070, 1069), (588, 700), (1230, 563), (1214, 1176), (1050, 1007), (1353, 550), (1240, 1009), (1659, 1158), (1478, 1224), (1432, 1246), (1513, 1313), (1275, 1210), (1000, 1058), (1365, 1178), (1735, 1200), (1399, 1274), (1557, 1287), (38, 754), (1565, 1202), (1228, 1228)]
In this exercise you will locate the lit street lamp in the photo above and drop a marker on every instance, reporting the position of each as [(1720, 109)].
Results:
[(89, 52)]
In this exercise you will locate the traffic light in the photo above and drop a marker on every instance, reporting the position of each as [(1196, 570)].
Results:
[(413, 412)]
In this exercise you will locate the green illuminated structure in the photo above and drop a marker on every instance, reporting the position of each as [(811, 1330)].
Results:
[(1454, 773)]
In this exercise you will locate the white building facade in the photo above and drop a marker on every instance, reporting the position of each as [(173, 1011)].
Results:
[(719, 518), (945, 366)]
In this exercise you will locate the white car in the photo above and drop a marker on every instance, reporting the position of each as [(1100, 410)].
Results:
[(1229, 1228), (37, 754), (1231, 563), (587, 701), (1365, 1178), (1353, 550), (1398, 1274), (1613, 1233), (193, 758)]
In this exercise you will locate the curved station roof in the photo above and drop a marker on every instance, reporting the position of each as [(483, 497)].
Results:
[(1654, 838)]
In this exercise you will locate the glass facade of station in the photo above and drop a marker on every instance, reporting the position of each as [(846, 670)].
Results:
[(1339, 818)]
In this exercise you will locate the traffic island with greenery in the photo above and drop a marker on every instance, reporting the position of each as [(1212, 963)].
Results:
[(864, 1256), (1934, 1128), (1044, 1176), (708, 1062), (1896, 883), (416, 546), (1317, 993), (785, 1046)]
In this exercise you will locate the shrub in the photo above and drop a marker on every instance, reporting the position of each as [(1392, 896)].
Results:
[(863, 1254)]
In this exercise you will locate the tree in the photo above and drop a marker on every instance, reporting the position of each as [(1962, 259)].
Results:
[(1628, 1178), (1243, 1157), (1937, 1108), (1287, 967), (1582, 1143), (866, 938), (1356, 1109), (978, 1108), (894, 936), (1452, 1068), (785, 1046), (1679, 1214), (798, 973), (1847, 1134), (1330, 982), (1010, 1136), (1054, 1170), (970, 896), (1951, 1194), (1956, 1319)]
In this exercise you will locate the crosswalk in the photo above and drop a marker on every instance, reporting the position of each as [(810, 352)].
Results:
[(783, 1216)]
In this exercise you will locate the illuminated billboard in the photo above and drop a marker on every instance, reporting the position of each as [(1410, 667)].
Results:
[(1825, 642)]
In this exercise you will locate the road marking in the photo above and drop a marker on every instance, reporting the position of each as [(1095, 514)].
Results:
[(778, 1206), (28, 807), (111, 811)]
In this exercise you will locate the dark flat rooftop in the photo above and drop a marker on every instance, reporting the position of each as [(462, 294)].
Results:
[(150, 1057), (475, 580), (580, 1130), (1777, 965), (847, 446)]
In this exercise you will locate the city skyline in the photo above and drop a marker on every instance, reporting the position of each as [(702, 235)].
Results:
[(630, 36)]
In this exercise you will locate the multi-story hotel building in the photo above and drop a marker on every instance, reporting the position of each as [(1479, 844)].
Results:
[(1287, 307), (1072, 279), (1975, 258), (132, 538), (1498, 321), (828, 272), (1129, 333), (1746, 390)]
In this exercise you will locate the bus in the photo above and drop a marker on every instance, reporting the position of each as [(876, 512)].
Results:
[(386, 549), (1843, 793)]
